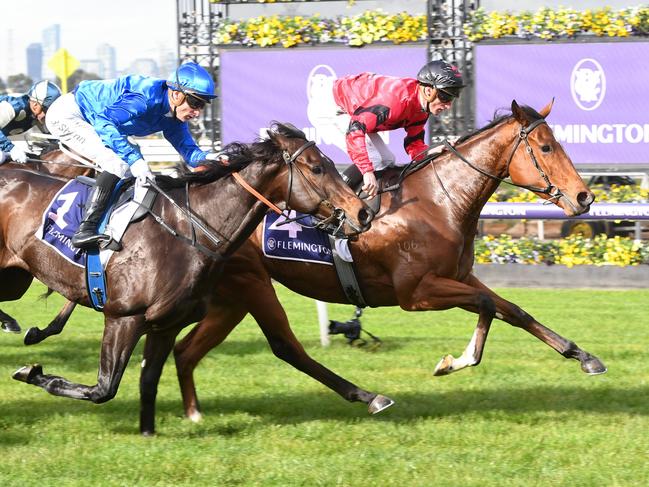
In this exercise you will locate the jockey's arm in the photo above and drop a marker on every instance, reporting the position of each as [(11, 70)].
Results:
[(181, 139)]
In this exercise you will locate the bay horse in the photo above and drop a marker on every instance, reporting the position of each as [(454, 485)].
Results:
[(159, 282), (53, 162), (418, 255)]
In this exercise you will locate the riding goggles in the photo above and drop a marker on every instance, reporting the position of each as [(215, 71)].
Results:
[(194, 102), (446, 95)]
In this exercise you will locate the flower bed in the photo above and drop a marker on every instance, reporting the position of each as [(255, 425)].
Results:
[(571, 251), (547, 23)]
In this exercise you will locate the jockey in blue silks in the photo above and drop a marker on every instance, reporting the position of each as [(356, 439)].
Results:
[(96, 119), (18, 114)]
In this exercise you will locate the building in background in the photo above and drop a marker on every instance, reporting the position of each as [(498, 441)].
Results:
[(51, 43), (35, 61), (108, 60)]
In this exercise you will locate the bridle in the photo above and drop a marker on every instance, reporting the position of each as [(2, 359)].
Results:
[(333, 222), (522, 137)]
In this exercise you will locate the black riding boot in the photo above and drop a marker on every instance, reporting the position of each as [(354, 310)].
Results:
[(86, 236), (352, 176)]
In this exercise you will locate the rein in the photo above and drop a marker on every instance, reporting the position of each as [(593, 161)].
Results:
[(522, 136), (337, 214)]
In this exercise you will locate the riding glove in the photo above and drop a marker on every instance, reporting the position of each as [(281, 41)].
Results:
[(3, 156), (18, 155), (217, 156), (140, 170)]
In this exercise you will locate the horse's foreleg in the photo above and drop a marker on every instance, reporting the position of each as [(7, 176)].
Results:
[(515, 316), (210, 332), (156, 350), (35, 335), (436, 293), (120, 337)]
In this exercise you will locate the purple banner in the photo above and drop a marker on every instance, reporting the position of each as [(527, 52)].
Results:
[(294, 85), (539, 211), (601, 110)]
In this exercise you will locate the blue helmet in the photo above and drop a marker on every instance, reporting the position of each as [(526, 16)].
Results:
[(44, 93), (192, 78)]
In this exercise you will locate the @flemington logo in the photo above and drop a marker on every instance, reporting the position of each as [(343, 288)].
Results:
[(271, 243), (588, 84)]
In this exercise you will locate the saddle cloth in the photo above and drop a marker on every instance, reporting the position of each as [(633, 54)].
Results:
[(64, 214), (297, 240)]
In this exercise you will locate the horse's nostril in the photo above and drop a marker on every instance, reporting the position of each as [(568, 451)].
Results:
[(365, 216), (585, 198)]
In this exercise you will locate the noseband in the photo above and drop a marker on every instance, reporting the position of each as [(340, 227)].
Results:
[(522, 137)]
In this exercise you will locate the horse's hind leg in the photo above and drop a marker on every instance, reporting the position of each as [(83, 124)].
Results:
[(156, 350), (120, 337), (515, 316), (35, 335), (210, 332), (14, 282), (271, 318), (437, 293)]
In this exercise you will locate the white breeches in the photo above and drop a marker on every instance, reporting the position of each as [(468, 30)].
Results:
[(65, 121)]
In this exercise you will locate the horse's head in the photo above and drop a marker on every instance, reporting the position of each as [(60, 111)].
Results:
[(313, 185), (539, 163)]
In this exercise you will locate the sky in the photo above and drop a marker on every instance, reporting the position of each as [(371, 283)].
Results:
[(144, 28), (136, 28)]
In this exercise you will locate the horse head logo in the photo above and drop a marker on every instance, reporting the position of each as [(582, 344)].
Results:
[(588, 84), (322, 108)]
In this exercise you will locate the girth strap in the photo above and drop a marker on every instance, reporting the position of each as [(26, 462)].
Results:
[(347, 277)]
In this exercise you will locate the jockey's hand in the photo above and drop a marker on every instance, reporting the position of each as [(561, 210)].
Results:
[(18, 155), (3, 156), (140, 170), (217, 156), (370, 185)]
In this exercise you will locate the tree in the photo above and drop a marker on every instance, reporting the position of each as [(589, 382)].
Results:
[(19, 83), (77, 77)]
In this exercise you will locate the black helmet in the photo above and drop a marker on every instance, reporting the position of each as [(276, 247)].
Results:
[(442, 76)]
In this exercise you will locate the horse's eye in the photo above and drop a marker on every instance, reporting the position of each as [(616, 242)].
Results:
[(546, 148), (316, 169)]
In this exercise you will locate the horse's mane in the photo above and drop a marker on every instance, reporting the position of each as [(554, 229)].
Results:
[(500, 115), (239, 156)]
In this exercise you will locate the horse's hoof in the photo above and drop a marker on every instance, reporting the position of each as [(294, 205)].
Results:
[(445, 366), (31, 336), (148, 434), (27, 373), (10, 326), (195, 416), (379, 403), (593, 366)]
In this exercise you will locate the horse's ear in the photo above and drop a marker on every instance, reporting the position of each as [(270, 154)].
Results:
[(518, 113), (545, 111)]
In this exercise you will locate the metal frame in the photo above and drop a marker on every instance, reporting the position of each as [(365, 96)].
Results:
[(197, 21)]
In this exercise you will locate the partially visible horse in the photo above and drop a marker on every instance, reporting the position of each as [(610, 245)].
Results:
[(55, 163), (417, 255), (159, 282)]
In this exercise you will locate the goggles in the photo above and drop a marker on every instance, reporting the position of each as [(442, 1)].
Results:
[(194, 102), (446, 95)]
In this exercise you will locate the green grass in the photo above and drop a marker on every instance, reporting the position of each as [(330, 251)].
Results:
[(525, 416)]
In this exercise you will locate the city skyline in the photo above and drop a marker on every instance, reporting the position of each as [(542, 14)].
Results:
[(140, 29)]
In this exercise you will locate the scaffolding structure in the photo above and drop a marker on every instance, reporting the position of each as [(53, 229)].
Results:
[(198, 21)]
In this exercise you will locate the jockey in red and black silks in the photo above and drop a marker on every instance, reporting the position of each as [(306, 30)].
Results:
[(374, 103)]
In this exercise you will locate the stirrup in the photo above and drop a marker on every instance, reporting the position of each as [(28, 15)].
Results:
[(89, 242)]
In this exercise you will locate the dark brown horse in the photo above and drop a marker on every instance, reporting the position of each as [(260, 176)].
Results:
[(159, 283), (418, 255)]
